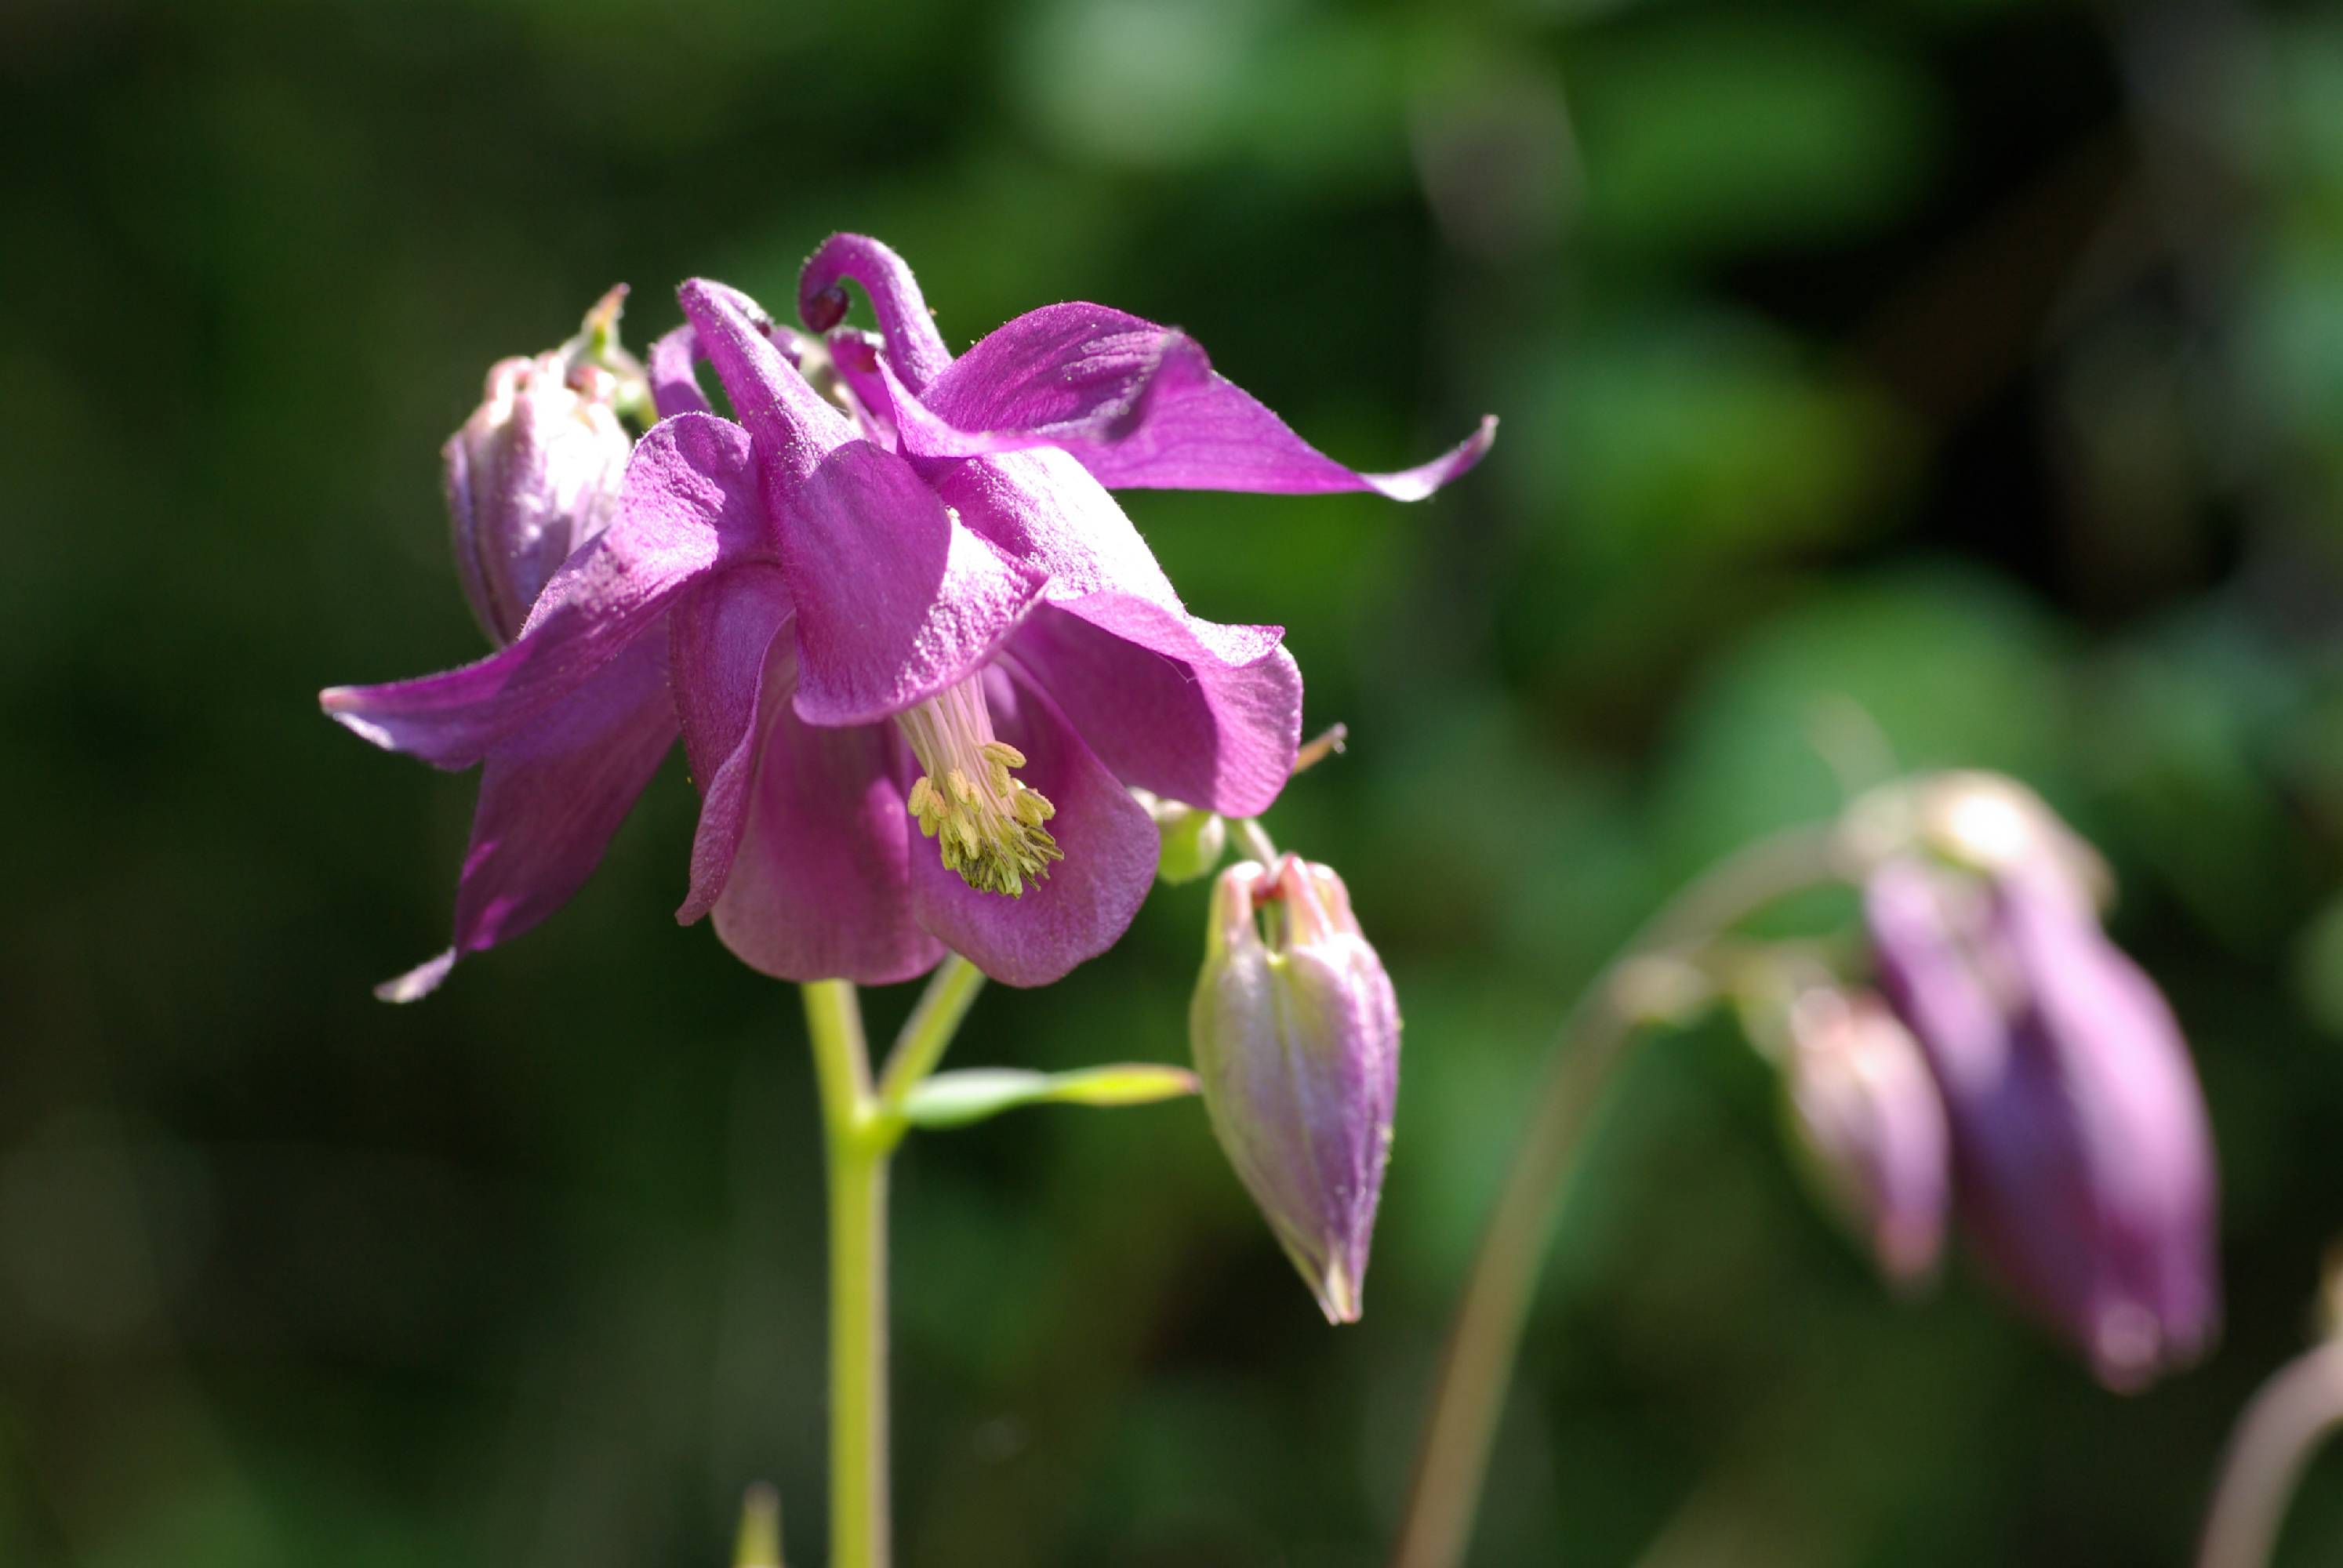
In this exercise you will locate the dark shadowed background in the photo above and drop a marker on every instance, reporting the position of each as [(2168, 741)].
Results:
[(1976, 365)]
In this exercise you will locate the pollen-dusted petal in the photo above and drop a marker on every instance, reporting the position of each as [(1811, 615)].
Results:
[(1139, 407), (553, 793), (1194, 711), (687, 503), (1108, 841)]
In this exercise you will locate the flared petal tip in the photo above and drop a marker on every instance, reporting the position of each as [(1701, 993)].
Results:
[(1417, 484), (344, 706), (419, 982), (1338, 1294)]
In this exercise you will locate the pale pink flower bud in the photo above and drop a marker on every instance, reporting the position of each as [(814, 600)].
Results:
[(535, 471), (1296, 1038)]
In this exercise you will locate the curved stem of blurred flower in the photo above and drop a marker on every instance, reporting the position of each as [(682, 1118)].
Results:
[(857, 1140), (1475, 1371), (1257, 842), (929, 1031), (2274, 1440)]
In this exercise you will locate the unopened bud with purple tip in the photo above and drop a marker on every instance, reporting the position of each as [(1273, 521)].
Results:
[(1296, 1039), (535, 471), (1868, 1118), (2082, 1155)]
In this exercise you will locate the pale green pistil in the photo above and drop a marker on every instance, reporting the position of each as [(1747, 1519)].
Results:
[(985, 820)]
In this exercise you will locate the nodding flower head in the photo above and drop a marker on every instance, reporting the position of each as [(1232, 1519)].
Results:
[(2082, 1155), (919, 657), (535, 471), (1296, 1039)]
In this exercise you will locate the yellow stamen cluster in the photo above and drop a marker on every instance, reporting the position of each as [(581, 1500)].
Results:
[(986, 821)]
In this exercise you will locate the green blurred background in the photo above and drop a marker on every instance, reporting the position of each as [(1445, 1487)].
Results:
[(1974, 365)]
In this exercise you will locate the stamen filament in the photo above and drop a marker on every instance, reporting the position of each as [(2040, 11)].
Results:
[(986, 821)]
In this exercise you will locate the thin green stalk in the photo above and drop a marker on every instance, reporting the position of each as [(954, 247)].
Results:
[(860, 1128), (929, 1031), (1256, 840), (2274, 1443), (856, 1142), (1469, 1392)]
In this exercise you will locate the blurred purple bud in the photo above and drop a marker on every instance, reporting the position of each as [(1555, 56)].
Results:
[(1872, 1124), (1296, 1038), (535, 471), (2082, 1156)]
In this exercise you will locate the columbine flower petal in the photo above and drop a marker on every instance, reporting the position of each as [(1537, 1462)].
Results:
[(1207, 714), (895, 600), (2143, 1142), (675, 360), (1042, 505), (686, 504), (820, 885), (1138, 404), (913, 342), (1089, 898), (2082, 1158), (720, 639), (551, 795)]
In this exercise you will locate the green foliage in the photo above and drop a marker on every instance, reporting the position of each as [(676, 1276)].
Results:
[(973, 1095)]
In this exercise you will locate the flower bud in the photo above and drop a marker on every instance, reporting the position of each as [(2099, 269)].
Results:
[(1296, 1039), (535, 471), (1867, 1116), (1194, 840), (2082, 1156), (1986, 823)]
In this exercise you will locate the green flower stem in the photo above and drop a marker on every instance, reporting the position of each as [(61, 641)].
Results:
[(1469, 1391), (927, 1033), (861, 1124), (857, 1141), (1256, 840), (2274, 1443)]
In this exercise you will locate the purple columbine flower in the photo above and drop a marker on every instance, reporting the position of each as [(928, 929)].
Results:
[(2082, 1156), (1871, 1122), (914, 685), (1296, 1039)]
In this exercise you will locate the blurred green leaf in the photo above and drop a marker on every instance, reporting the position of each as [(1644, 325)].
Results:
[(1936, 670), (1700, 432), (1735, 132)]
